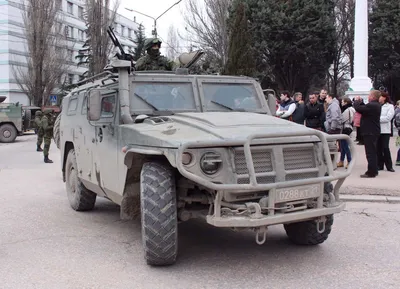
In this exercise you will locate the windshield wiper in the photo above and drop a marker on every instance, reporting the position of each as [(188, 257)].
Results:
[(165, 112), (145, 101), (228, 107)]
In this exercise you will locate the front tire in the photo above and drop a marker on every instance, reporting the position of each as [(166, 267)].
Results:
[(80, 198), (158, 214), (8, 133), (305, 233)]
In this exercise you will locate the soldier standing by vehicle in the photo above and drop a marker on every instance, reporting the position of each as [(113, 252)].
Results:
[(39, 130), (47, 126), (153, 60)]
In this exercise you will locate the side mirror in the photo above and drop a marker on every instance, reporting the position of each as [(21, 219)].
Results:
[(270, 97), (94, 105)]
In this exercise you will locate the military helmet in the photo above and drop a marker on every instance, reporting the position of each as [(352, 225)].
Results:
[(38, 113), (150, 42), (47, 111)]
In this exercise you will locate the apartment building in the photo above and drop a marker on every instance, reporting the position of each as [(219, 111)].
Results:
[(13, 45)]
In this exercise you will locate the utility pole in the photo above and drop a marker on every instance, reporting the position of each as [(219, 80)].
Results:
[(154, 31)]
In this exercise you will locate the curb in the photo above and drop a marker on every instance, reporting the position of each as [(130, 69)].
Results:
[(368, 198)]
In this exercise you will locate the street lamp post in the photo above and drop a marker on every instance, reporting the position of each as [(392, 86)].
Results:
[(154, 32)]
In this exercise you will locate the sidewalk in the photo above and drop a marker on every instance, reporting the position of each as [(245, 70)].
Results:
[(385, 184)]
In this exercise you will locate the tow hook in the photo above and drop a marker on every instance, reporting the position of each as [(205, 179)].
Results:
[(321, 224), (261, 235)]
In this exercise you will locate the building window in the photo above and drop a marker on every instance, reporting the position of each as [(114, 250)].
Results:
[(80, 12), (70, 55), (69, 30), (122, 30), (81, 34), (70, 8), (70, 78), (129, 33)]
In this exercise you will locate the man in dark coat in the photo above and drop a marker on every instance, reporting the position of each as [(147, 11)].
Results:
[(314, 113), (298, 115), (370, 129)]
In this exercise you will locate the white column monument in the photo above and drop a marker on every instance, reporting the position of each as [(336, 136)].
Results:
[(361, 84)]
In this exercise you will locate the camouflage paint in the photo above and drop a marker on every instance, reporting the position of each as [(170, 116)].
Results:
[(11, 113)]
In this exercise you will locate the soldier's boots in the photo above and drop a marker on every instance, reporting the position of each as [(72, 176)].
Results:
[(39, 149), (47, 160)]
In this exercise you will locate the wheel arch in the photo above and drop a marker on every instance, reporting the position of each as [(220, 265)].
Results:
[(67, 147), (134, 162)]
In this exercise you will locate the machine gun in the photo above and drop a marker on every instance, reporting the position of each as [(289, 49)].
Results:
[(122, 55)]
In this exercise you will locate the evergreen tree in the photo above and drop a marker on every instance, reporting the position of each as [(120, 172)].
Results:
[(241, 59), (294, 41), (97, 48), (139, 41), (384, 45)]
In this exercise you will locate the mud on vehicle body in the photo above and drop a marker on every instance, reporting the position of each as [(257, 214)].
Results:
[(169, 147)]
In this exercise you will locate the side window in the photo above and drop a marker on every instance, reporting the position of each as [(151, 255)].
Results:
[(84, 106), (108, 106), (72, 106)]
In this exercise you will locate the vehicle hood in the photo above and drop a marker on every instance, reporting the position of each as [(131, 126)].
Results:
[(208, 126)]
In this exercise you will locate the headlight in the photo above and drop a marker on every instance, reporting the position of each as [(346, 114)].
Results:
[(210, 163)]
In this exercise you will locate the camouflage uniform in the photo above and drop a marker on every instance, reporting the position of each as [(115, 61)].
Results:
[(153, 60), (47, 126), (39, 130)]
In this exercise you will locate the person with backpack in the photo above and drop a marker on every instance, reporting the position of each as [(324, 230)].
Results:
[(383, 149), (348, 113)]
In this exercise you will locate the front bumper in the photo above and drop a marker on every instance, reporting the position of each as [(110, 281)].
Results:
[(238, 221)]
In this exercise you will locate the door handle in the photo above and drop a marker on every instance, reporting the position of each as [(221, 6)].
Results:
[(100, 134)]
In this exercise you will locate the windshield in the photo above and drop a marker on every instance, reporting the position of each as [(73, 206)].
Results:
[(162, 96), (230, 97)]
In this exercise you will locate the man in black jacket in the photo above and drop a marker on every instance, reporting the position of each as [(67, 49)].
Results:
[(298, 115), (370, 129), (314, 113)]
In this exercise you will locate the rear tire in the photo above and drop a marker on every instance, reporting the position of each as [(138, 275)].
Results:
[(158, 214), (80, 198), (56, 131), (8, 133), (305, 233)]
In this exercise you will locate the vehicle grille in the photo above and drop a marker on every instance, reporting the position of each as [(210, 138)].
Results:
[(294, 158)]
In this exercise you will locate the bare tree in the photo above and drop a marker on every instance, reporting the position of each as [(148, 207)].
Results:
[(172, 43), (340, 71), (98, 46), (206, 22), (47, 50)]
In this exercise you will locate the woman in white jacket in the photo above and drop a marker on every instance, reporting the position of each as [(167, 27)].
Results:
[(383, 150)]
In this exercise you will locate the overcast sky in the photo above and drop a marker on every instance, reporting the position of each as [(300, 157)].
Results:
[(155, 8)]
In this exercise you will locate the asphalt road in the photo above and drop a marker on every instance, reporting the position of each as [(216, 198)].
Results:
[(45, 244)]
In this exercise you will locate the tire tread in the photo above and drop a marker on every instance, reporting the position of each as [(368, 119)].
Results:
[(158, 214)]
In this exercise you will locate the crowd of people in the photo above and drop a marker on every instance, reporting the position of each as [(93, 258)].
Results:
[(373, 123)]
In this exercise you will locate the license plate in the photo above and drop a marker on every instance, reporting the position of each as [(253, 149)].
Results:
[(297, 193)]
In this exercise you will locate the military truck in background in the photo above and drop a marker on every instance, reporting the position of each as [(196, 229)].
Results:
[(15, 119)]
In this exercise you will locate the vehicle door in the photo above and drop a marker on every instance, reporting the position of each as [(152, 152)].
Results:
[(105, 152), (84, 142)]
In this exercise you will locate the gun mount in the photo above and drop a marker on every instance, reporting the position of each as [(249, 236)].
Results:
[(122, 55)]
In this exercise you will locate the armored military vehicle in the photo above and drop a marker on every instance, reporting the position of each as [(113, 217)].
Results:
[(170, 147), (15, 119)]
